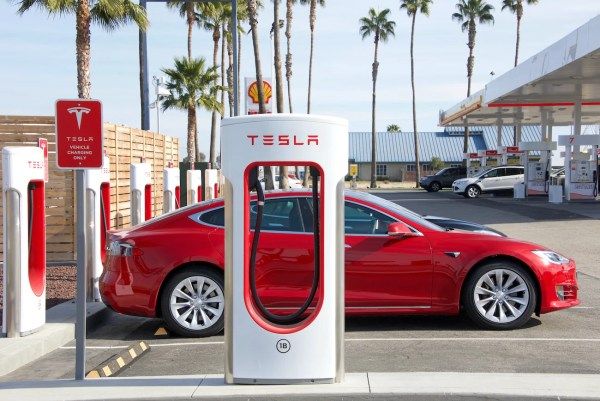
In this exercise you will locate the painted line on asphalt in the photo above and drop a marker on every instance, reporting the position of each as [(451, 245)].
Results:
[(406, 339)]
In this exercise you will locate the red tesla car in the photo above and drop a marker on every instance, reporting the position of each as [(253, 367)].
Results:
[(172, 266)]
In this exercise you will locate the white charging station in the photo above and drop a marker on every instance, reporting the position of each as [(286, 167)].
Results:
[(306, 346), (581, 168), (97, 224), (537, 167), (24, 289), (211, 184), (141, 192), (171, 189), (194, 186)]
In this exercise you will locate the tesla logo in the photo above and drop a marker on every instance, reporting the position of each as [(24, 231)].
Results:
[(79, 112), (283, 140)]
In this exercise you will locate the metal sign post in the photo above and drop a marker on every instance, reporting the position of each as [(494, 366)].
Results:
[(79, 146)]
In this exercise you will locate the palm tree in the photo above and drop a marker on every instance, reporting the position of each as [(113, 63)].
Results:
[(187, 10), (413, 7), (378, 25), (253, 18), (109, 14), (471, 12), (192, 85), (393, 128), (516, 7), (289, 16), (283, 170), (212, 18)]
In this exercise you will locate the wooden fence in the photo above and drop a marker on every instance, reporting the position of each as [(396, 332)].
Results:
[(123, 145)]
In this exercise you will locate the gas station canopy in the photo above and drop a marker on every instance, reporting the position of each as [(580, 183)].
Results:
[(545, 89)]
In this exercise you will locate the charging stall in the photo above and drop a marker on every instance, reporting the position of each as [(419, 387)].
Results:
[(171, 189), (141, 193), (24, 269), (97, 224), (581, 168), (538, 166), (194, 187), (211, 181), (286, 345), (473, 164)]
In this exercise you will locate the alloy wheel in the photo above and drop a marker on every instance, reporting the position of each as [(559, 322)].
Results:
[(501, 296), (435, 187), (473, 191), (197, 302)]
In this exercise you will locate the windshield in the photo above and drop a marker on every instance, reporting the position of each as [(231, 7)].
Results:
[(404, 212)]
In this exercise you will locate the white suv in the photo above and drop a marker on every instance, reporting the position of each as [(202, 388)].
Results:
[(496, 179)]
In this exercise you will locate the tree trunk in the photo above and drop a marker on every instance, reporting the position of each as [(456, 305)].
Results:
[(230, 88), (283, 170), (252, 15), (223, 50), (312, 21), (190, 21), (414, 101), (470, 65), (191, 139), (82, 43), (518, 41), (288, 56), (373, 109), (212, 158)]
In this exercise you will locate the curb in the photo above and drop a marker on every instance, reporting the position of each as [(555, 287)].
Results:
[(117, 362)]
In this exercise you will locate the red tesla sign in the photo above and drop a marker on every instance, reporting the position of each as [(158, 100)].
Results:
[(79, 143)]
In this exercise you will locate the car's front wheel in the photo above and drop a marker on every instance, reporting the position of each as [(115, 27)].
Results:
[(472, 192), (500, 295), (435, 186), (193, 301)]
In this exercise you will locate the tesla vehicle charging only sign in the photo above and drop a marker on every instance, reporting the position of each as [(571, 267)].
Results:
[(79, 142)]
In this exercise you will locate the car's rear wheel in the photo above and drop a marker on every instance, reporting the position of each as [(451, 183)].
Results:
[(193, 301), (500, 295), (472, 191), (435, 186)]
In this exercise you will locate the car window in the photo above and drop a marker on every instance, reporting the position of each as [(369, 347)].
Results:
[(282, 214), (490, 174), (214, 217), (514, 171), (364, 220), (501, 172)]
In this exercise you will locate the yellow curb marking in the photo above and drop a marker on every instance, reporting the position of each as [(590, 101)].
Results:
[(120, 362), (106, 371), (161, 332), (132, 353), (143, 346), (93, 374)]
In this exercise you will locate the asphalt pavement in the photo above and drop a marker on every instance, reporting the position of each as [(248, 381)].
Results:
[(562, 342)]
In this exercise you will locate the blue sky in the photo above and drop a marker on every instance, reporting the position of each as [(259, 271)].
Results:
[(38, 60)]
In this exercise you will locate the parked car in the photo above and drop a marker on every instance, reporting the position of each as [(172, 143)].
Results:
[(495, 179), (293, 182), (163, 267), (443, 178)]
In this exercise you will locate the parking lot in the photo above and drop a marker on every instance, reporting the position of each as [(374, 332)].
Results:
[(562, 342)]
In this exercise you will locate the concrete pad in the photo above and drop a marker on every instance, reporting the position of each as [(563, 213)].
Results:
[(214, 385), (58, 331), (505, 384), (169, 387)]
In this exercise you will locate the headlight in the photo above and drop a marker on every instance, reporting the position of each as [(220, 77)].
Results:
[(552, 257)]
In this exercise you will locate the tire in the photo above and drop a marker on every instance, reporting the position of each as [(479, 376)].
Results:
[(435, 186), (472, 192), (504, 307), (197, 317)]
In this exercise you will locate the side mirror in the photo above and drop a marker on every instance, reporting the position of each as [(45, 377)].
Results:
[(400, 230)]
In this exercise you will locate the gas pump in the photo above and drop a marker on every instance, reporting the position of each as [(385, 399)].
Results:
[(97, 191), (211, 181), (473, 164), (537, 168), (171, 189), (23, 192), (581, 169), (489, 158), (264, 345), (194, 186), (141, 193)]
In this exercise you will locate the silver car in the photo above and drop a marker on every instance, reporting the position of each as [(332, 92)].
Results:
[(496, 179)]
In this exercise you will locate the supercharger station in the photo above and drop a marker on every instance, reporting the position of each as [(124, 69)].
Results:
[(171, 189), (23, 192), (581, 168), (141, 192), (306, 346), (473, 164), (194, 186), (211, 184), (97, 224), (537, 167)]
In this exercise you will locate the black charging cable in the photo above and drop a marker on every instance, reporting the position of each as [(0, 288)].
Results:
[(31, 189), (260, 204)]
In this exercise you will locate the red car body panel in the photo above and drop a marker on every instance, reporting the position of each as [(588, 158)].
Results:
[(384, 275)]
